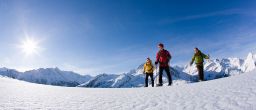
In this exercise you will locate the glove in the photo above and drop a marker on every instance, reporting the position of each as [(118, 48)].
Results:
[(156, 63), (167, 62), (191, 63)]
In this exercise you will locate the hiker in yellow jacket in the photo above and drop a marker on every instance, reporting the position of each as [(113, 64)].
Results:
[(148, 70)]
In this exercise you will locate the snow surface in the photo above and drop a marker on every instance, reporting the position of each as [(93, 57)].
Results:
[(231, 93)]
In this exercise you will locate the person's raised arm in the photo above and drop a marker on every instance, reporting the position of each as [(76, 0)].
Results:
[(157, 58), (144, 69), (205, 56), (192, 61)]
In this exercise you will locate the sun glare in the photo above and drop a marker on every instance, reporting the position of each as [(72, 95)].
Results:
[(30, 46)]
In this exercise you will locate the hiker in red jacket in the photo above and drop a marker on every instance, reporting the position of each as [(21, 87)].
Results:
[(163, 57)]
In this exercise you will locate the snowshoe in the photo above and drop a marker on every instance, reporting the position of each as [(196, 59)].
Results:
[(159, 85)]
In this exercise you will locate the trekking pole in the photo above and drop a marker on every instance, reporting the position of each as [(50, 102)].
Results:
[(208, 60), (157, 74)]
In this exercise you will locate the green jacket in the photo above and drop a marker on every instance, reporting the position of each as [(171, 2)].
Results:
[(198, 58)]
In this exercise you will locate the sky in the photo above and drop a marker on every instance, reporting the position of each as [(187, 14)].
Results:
[(115, 36)]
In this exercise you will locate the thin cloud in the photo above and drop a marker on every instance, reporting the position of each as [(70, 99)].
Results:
[(228, 44), (199, 16)]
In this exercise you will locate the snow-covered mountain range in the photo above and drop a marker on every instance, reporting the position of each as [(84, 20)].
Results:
[(214, 69), (49, 76)]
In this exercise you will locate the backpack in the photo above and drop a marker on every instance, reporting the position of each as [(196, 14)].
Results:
[(164, 56)]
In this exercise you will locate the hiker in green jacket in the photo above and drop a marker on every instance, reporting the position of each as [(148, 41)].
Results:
[(198, 58)]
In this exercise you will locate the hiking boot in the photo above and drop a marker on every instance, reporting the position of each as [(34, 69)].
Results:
[(159, 85), (200, 80)]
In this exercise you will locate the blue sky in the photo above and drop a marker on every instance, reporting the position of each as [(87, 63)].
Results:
[(114, 36)]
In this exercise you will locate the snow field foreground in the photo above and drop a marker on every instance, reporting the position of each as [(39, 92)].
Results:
[(231, 93)]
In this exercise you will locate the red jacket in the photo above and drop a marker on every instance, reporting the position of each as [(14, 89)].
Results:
[(163, 57)]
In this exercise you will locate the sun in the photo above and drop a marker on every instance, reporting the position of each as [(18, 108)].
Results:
[(30, 46)]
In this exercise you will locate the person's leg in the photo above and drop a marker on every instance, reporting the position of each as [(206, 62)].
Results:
[(169, 76), (152, 79), (146, 80), (160, 76), (200, 72)]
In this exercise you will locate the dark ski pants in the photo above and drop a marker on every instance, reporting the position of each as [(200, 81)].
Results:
[(200, 69), (146, 79), (168, 72)]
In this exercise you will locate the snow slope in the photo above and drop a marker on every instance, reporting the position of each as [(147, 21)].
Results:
[(232, 93)]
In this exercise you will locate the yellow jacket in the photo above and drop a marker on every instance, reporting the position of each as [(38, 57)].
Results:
[(148, 68)]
